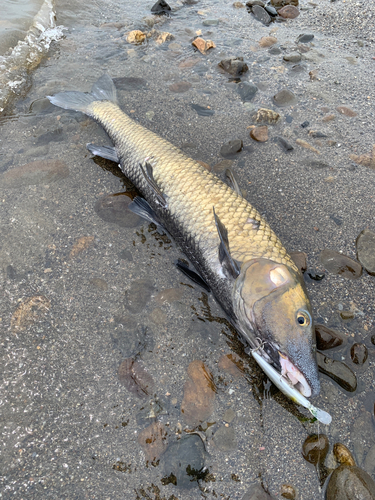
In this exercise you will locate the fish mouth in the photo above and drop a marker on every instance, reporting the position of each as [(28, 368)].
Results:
[(294, 375)]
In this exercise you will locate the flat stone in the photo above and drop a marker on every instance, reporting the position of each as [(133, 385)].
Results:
[(180, 87), (99, 283), (293, 57), (300, 259), (232, 364), (267, 41), (251, 3), (261, 14), (259, 134), (138, 295), (231, 148), (115, 209), (337, 263), (369, 464), (271, 10), (234, 66), (154, 441), (229, 415), (350, 483), (34, 173), (362, 435), (129, 83), (169, 295), (202, 110), (203, 45), (365, 244), (344, 110), (274, 51), (135, 378), (315, 448), (247, 91), (328, 118), (288, 12), (305, 38), (127, 336), (225, 439), (327, 338), (284, 98), (337, 371), (359, 354), (285, 145), (158, 316), (184, 461)]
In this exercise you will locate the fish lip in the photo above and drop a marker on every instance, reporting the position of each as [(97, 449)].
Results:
[(294, 376)]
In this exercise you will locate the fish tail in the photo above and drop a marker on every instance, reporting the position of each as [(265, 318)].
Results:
[(103, 90)]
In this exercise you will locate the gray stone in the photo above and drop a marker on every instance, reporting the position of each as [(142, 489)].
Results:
[(284, 98), (225, 439), (366, 250), (229, 415), (337, 263), (261, 14), (183, 460), (247, 91), (350, 483), (293, 57), (231, 148), (138, 295), (337, 371), (305, 38), (257, 493)]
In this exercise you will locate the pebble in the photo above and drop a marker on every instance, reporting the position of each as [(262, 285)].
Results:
[(133, 376), (288, 491), (305, 38), (225, 439), (359, 354), (247, 91), (229, 415), (202, 110), (338, 372), (267, 41), (238, 5), (138, 295), (285, 145), (154, 441), (344, 110), (315, 448), (282, 3), (259, 134), (199, 394), (115, 209), (203, 45), (306, 145), (160, 8), (343, 455), (127, 337), (369, 464), (327, 338), (328, 118), (136, 37), (34, 173), (164, 37), (345, 315), (365, 244), (231, 148), (264, 115), (271, 10), (293, 57), (232, 364), (31, 310), (180, 87), (81, 244), (274, 51), (284, 98), (183, 459), (261, 14), (211, 22), (337, 263), (350, 483), (288, 12), (234, 66), (189, 63), (300, 259)]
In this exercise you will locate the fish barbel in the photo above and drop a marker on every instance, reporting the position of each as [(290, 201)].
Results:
[(229, 243)]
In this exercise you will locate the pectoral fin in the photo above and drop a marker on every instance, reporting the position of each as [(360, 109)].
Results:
[(225, 258), (149, 177), (107, 152), (139, 206)]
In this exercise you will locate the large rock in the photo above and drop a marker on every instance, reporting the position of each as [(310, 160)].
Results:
[(350, 483)]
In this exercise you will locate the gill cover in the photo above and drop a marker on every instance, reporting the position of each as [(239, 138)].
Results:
[(271, 303)]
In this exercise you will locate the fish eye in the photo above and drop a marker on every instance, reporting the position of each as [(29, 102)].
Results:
[(303, 318)]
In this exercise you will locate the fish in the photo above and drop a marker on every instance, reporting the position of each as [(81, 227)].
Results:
[(230, 245)]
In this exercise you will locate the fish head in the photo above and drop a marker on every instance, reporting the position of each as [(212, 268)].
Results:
[(271, 304)]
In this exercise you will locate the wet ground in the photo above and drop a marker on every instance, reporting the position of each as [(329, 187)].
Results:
[(82, 293)]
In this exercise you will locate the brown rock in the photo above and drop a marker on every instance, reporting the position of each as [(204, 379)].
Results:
[(300, 259), (327, 338), (80, 245), (328, 118), (29, 311), (136, 37), (203, 45), (288, 491), (259, 134), (180, 87), (164, 37), (314, 74), (343, 455), (315, 448), (34, 173), (199, 394), (267, 41), (288, 12), (154, 441), (232, 364), (282, 3), (365, 160), (343, 110), (238, 5), (338, 263)]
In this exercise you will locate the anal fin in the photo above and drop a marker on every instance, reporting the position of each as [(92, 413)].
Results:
[(185, 269), (107, 152), (139, 206), (225, 258)]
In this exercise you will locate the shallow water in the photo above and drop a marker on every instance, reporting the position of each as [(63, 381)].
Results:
[(80, 294)]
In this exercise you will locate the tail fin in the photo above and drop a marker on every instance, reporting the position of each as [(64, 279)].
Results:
[(103, 90)]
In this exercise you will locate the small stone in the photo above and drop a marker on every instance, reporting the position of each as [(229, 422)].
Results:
[(271, 10), (99, 284), (328, 118), (288, 491), (365, 244), (210, 22), (34, 173), (344, 110), (184, 462), (154, 441), (234, 66), (203, 110), (350, 483), (293, 57), (231, 148), (314, 76), (129, 83), (343, 455), (346, 315), (247, 91), (315, 448), (174, 46), (365, 160), (180, 87), (158, 317), (138, 295), (126, 255), (225, 439), (190, 62), (337, 263), (369, 464), (288, 12), (238, 5), (117, 25), (264, 115), (359, 353), (203, 45), (362, 435), (306, 145), (81, 244), (261, 14), (267, 41), (284, 98), (136, 37), (160, 8), (305, 38), (199, 394), (259, 134), (338, 372), (115, 209), (315, 134), (31, 310), (300, 259), (229, 415), (285, 145), (164, 37), (327, 338)]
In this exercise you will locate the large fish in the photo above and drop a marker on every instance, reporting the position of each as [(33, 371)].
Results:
[(232, 247)]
